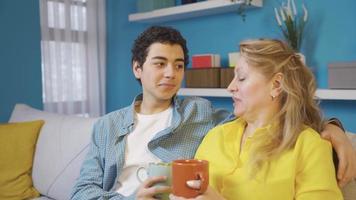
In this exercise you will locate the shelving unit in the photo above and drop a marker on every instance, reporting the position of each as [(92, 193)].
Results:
[(324, 94), (192, 10)]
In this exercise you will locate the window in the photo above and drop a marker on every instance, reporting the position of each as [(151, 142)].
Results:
[(66, 53)]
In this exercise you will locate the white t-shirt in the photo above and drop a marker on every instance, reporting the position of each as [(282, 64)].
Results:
[(137, 153)]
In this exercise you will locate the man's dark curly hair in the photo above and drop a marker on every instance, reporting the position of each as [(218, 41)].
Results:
[(157, 34)]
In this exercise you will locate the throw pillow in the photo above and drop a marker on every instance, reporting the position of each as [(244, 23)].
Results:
[(17, 144)]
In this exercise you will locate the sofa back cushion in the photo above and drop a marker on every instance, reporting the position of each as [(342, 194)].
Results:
[(60, 150)]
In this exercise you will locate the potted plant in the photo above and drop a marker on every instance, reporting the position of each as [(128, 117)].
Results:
[(291, 23)]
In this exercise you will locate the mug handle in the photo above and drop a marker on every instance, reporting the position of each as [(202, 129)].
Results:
[(138, 172), (202, 187)]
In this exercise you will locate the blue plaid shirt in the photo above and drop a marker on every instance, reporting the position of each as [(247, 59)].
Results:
[(192, 118)]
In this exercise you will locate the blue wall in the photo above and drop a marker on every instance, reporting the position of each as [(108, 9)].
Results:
[(20, 55), (330, 37)]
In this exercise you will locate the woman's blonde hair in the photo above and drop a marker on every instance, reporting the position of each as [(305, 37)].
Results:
[(297, 103)]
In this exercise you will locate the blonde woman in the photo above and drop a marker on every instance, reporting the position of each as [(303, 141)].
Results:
[(273, 149)]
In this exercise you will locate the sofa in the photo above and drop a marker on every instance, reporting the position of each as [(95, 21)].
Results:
[(62, 145), (60, 150)]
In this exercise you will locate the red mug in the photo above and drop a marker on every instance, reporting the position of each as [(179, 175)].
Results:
[(186, 170)]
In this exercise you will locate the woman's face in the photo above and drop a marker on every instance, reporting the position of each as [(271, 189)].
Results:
[(251, 91)]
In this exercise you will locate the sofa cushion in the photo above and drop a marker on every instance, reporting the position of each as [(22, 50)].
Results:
[(60, 150), (17, 144)]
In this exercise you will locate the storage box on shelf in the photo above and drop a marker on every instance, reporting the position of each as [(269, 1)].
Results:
[(233, 56), (226, 76), (342, 75), (205, 61), (203, 78), (208, 77), (191, 10), (148, 5), (180, 2)]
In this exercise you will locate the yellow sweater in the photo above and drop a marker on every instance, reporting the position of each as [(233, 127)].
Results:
[(305, 172)]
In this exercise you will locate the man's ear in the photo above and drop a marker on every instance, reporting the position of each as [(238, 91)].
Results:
[(277, 84), (137, 69)]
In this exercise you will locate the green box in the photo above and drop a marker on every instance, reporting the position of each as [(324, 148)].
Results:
[(149, 5)]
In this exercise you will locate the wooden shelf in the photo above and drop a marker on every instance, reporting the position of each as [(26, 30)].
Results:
[(202, 8), (324, 94)]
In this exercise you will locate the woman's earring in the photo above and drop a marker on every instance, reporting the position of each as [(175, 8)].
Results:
[(272, 96)]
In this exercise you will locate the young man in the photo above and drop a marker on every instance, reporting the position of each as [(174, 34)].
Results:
[(156, 127)]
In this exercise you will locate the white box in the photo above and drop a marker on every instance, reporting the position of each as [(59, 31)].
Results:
[(233, 56)]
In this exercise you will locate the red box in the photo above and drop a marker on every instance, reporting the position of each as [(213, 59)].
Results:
[(205, 61)]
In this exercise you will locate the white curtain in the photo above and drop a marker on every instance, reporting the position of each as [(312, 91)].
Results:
[(73, 46)]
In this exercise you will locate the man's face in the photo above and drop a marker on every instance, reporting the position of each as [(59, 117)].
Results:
[(162, 72)]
